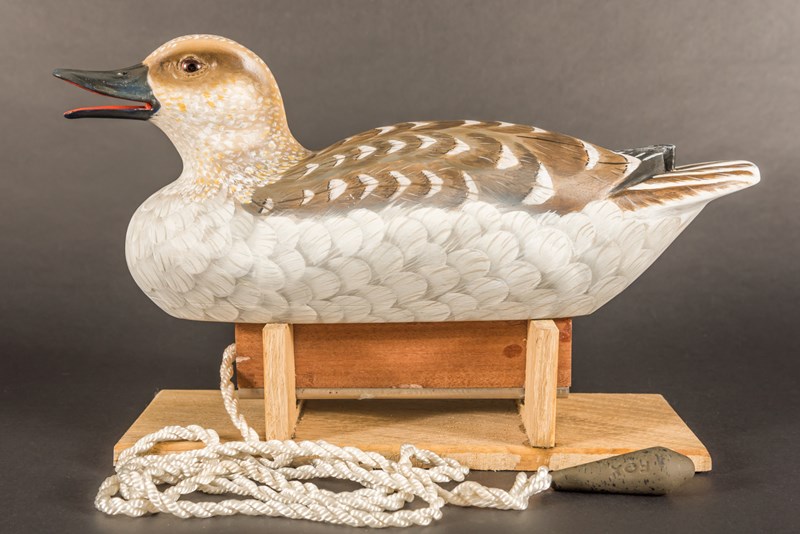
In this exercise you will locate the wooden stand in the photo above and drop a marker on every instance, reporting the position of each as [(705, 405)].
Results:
[(484, 393)]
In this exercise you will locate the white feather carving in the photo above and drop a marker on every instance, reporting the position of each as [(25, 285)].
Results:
[(353, 273), (315, 242), (436, 222), (488, 291), (220, 283), (432, 255), (507, 159), (371, 225), (466, 228), (459, 303), (470, 263), (607, 288), (522, 278), (428, 310), (222, 311), (323, 283), (435, 182), (500, 246), (485, 214), (169, 299), (370, 183), (580, 229), (286, 231), (396, 315), (404, 262), (297, 293), (303, 312), (246, 296), (459, 147), (592, 154), (379, 297), (386, 259), (336, 188), (201, 297), (269, 274), (327, 311), (427, 141), (542, 189), (345, 234), (355, 309), (548, 248), (510, 309), (604, 260), (661, 234), (407, 286), (409, 235), (396, 145), (365, 150), (441, 279), (238, 262), (572, 279)]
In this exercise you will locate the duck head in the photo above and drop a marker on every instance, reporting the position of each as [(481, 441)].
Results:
[(207, 93)]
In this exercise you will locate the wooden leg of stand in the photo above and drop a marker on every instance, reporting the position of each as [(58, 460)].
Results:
[(538, 409), (280, 402)]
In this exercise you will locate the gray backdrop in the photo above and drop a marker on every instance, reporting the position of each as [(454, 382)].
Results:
[(711, 325)]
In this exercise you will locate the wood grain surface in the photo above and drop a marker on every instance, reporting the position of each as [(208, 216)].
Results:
[(482, 434), (538, 409), (280, 403), (485, 354)]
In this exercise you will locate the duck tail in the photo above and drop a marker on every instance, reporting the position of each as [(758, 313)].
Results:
[(688, 184)]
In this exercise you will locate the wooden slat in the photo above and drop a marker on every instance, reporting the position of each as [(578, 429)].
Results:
[(249, 364), (280, 403), (416, 355), (482, 434), (564, 352), (486, 354), (538, 410)]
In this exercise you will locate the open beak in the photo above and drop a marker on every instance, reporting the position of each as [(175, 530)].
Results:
[(128, 84)]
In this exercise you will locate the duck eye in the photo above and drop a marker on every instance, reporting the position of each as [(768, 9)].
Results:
[(191, 65)]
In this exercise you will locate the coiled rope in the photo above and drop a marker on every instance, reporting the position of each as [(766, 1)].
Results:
[(267, 478)]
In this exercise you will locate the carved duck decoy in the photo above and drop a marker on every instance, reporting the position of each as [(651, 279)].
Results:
[(419, 221)]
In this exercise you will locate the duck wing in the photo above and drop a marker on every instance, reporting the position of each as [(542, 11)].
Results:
[(446, 163)]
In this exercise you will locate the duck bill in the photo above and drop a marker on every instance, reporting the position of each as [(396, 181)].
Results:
[(127, 84)]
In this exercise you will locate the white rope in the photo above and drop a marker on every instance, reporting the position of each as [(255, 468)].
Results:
[(266, 476)]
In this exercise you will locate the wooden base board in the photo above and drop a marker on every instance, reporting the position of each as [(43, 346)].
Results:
[(482, 434)]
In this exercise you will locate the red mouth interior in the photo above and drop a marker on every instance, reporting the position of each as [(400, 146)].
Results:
[(143, 105)]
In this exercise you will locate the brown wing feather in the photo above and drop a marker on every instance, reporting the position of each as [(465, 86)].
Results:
[(445, 163)]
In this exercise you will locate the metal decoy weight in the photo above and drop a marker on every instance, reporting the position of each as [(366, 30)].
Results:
[(653, 471)]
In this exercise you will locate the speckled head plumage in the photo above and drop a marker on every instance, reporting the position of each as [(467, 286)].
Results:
[(418, 221), (220, 106), (208, 80)]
